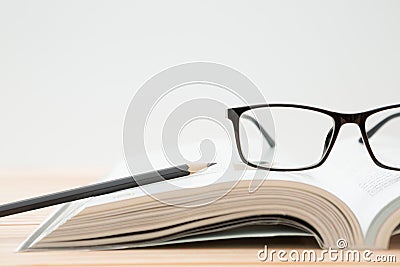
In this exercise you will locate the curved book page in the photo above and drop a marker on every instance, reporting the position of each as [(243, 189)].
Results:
[(385, 224), (278, 208)]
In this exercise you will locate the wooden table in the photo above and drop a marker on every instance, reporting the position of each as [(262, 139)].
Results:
[(14, 229)]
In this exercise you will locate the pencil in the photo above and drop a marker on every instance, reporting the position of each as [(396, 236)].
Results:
[(101, 188)]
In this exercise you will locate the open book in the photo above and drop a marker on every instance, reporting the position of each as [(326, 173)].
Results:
[(348, 197)]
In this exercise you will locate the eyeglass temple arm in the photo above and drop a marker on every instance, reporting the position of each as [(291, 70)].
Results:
[(327, 140), (374, 129), (267, 137)]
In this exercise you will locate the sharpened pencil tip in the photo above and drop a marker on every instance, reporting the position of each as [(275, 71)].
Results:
[(196, 167)]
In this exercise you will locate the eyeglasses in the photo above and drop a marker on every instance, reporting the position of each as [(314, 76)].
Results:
[(305, 135)]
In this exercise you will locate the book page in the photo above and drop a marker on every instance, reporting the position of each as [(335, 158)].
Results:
[(351, 175)]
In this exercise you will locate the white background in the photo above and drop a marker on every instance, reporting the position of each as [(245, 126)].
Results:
[(68, 69)]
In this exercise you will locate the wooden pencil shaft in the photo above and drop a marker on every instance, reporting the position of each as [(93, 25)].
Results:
[(93, 190)]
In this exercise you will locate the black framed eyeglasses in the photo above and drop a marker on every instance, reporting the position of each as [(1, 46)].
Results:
[(306, 135)]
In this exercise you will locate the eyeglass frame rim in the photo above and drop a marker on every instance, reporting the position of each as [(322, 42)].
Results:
[(358, 118)]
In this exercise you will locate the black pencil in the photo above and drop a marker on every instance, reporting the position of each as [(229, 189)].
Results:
[(100, 188)]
